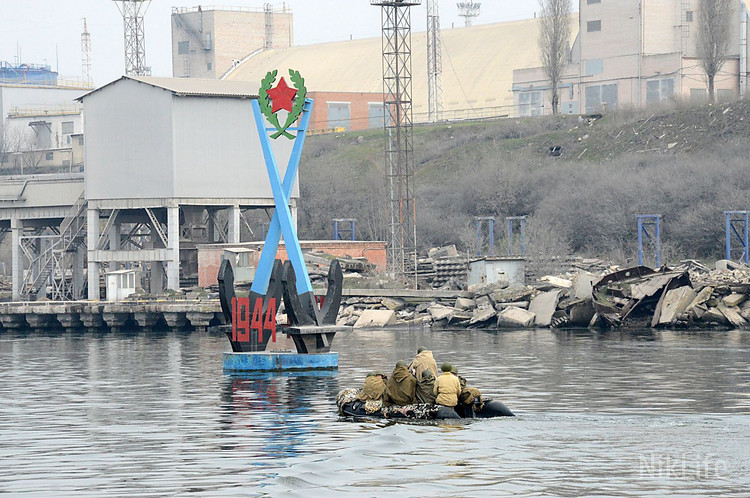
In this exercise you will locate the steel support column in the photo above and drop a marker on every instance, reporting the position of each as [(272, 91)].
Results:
[(92, 242), (512, 222), (234, 225), (649, 226), (16, 228), (738, 225), (173, 246), (491, 234)]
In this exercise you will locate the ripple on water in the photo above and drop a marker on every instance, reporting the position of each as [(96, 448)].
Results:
[(152, 414)]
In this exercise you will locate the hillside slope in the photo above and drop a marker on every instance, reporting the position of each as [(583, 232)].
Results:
[(687, 164)]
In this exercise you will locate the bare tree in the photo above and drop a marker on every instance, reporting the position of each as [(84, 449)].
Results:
[(712, 40), (554, 39)]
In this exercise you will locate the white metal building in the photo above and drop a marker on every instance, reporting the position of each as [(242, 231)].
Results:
[(164, 157)]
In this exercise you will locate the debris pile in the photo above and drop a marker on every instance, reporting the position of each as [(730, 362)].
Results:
[(687, 295)]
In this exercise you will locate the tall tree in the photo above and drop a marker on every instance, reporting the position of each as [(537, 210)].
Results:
[(712, 40), (554, 40)]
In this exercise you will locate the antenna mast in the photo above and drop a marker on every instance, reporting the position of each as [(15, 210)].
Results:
[(468, 10), (86, 54), (434, 63), (135, 40)]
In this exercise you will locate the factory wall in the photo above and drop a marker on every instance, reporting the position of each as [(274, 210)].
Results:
[(129, 149), (217, 151)]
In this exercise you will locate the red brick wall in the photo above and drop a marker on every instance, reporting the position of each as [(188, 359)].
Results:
[(359, 108), (209, 256)]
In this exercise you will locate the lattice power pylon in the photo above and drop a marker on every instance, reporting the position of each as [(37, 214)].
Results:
[(86, 54), (268, 14), (133, 12), (399, 147), (434, 62), (468, 10)]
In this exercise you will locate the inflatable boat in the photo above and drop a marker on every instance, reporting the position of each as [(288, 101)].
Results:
[(350, 406)]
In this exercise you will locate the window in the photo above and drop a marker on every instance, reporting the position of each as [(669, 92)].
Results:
[(688, 16), (593, 1), (67, 140), (592, 26), (209, 66), (659, 91), (725, 95), (338, 115), (80, 141), (601, 98), (594, 66), (698, 95), (67, 127), (66, 163), (50, 156), (530, 103), (377, 114), (183, 48)]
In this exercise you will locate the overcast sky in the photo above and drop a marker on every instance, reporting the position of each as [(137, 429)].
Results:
[(49, 31)]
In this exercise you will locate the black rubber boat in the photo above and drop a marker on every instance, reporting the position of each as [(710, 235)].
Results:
[(360, 409)]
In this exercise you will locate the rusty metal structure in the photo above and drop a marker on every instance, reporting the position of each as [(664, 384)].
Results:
[(399, 147), (133, 12)]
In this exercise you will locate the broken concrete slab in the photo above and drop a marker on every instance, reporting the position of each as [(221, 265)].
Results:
[(514, 318), (376, 318), (583, 285), (517, 304), (543, 306), (727, 265), (701, 299), (465, 304), (443, 252), (734, 299), (483, 302), (713, 315), (558, 282), (482, 315), (732, 314), (487, 289), (674, 303), (439, 312), (393, 303)]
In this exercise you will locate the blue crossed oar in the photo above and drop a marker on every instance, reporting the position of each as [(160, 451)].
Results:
[(281, 223)]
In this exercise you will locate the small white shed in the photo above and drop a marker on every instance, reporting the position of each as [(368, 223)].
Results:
[(241, 259), (490, 270), (121, 284)]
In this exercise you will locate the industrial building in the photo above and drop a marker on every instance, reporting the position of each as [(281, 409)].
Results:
[(636, 53), (208, 41), (177, 168), (477, 73)]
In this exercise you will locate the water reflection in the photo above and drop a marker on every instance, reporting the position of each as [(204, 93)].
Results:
[(152, 413)]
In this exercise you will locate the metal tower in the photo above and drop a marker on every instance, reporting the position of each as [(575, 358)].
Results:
[(135, 39), (268, 11), (399, 148), (86, 54), (468, 10), (434, 63)]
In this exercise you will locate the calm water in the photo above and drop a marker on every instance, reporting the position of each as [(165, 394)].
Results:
[(598, 413)]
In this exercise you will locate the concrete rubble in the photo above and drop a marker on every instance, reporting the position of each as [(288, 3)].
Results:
[(592, 294)]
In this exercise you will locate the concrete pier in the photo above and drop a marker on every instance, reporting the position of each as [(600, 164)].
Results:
[(177, 315)]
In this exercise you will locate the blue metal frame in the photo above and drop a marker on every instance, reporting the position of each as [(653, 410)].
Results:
[(733, 219), (644, 222), (352, 227), (512, 220), (282, 223), (491, 225)]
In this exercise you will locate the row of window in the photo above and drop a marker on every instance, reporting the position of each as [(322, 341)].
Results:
[(339, 115), (605, 97)]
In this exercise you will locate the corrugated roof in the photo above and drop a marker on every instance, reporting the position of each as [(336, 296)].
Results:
[(195, 87), (478, 64)]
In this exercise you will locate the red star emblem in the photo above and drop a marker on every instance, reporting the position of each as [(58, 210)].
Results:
[(282, 96)]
